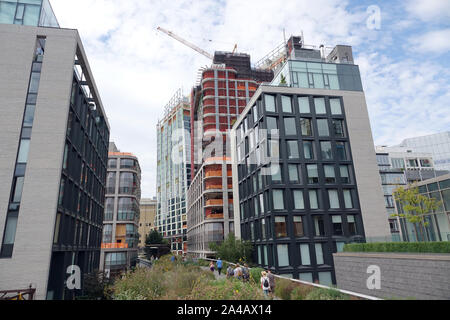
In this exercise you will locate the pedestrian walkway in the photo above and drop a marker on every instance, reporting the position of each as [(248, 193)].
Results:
[(216, 273)]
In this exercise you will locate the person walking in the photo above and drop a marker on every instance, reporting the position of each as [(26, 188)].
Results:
[(245, 273), (211, 266), (265, 283), (219, 265), (238, 272), (230, 271), (271, 281)]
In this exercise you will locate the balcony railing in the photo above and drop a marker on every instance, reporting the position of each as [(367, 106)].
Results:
[(114, 245)]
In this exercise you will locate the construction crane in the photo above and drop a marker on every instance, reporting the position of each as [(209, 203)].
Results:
[(190, 45)]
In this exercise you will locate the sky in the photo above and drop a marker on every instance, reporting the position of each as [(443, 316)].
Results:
[(402, 48)]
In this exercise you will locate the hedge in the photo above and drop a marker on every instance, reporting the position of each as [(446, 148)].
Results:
[(413, 247)]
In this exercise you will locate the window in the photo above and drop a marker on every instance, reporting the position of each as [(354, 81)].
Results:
[(334, 199), (330, 176), (10, 230), (271, 124), (345, 178), (319, 253), (278, 199), (29, 115), (263, 229), (348, 199), (325, 278), (127, 163), (286, 104), (340, 246), (23, 151), (341, 151), (293, 173), (18, 187), (289, 126), (298, 226), (337, 225), (322, 127), (275, 170), (304, 254), (313, 201), (306, 127), (398, 163), (34, 82), (292, 148), (351, 225), (261, 202), (283, 255), (319, 104), (308, 150), (313, 174), (335, 105), (298, 199), (319, 227), (338, 128), (269, 102), (306, 276), (303, 103), (252, 230), (280, 227), (325, 147), (255, 113)]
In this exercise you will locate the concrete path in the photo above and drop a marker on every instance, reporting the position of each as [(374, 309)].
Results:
[(216, 273)]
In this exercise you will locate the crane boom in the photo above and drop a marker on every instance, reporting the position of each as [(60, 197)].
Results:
[(190, 45)]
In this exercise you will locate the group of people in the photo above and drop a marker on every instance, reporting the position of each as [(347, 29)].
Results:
[(243, 273)]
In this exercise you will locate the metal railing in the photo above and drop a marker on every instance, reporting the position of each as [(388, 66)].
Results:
[(18, 294)]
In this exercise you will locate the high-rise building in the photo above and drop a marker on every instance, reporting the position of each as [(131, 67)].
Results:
[(399, 167), (146, 219), (121, 218), (173, 172), (54, 147), (224, 90), (305, 177), (437, 144)]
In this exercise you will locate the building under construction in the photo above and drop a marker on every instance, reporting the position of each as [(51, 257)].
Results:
[(222, 93)]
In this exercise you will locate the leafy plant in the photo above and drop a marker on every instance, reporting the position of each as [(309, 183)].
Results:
[(326, 294), (300, 292), (420, 247), (283, 288), (415, 208), (233, 250)]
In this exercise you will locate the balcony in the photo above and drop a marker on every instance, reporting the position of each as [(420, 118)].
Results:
[(114, 246)]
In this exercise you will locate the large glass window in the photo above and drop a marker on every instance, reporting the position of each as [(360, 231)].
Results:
[(330, 176), (10, 230), (275, 170), (23, 151), (278, 199), (304, 253), (270, 103), (280, 227), (303, 103), (308, 150), (127, 164), (271, 124), (348, 199), (319, 104), (29, 115), (325, 278), (335, 105), (128, 183), (109, 209), (319, 226), (319, 253), (18, 187), (293, 173), (112, 163), (313, 174), (289, 126), (286, 104), (345, 176), (313, 200), (337, 225), (292, 148), (306, 126), (338, 128), (351, 224), (341, 150), (299, 204), (127, 209), (334, 199), (322, 127), (298, 226), (325, 147), (283, 255)]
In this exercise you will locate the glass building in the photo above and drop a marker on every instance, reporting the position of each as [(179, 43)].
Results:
[(37, 13), (173, 173), (121, 218)]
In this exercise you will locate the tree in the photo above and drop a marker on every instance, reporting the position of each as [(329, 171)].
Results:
[(154, 237), (96, 286), (233, 250), (415, 207)]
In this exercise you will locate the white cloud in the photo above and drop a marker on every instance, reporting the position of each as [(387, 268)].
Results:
[(137, 69), (429, 10), (437, 41)]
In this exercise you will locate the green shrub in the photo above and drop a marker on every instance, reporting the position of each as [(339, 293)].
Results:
[(326, 294), (300, 292), (411, 247), (255, 274), (283, 288), (226, 289)]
